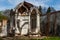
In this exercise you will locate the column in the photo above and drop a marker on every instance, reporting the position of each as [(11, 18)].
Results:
[(29, 29), (38, 24), (16, 31), (38, 21)]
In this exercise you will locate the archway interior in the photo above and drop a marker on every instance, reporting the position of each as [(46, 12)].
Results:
[(22, 9), (33, 20)]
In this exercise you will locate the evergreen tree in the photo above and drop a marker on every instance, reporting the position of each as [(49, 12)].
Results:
[(40, 9)]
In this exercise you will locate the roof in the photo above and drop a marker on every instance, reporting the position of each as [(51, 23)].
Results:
[(21, 7), (26, 4)]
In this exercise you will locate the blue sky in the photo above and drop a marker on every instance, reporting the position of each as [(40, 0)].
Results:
[(8, 4)]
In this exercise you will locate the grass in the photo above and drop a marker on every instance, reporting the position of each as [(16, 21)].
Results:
[(52, 38)]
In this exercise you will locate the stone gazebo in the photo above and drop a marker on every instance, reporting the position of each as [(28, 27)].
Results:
[(26, 19)]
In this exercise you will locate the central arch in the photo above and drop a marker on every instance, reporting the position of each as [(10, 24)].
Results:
[(33, 20)]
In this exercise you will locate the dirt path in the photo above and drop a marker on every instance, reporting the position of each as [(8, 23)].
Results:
[(22, 38)]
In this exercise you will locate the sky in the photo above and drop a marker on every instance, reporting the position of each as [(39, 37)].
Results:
[(10, 4)]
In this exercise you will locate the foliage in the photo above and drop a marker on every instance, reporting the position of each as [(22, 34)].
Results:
[(2, 16), (48, 10), (40, 9)]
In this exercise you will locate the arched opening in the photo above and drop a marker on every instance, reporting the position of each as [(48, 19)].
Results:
[(33, 20), (22, 9)]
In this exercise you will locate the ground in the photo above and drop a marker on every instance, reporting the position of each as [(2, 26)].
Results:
[(30, 38)]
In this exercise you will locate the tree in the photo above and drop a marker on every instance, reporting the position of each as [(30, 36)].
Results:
[(2, 17), (48, 10), (40, 9)]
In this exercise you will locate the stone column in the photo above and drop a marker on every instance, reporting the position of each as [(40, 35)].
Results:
[(4, 28), (38, 24), (29, 29), (16, 31)]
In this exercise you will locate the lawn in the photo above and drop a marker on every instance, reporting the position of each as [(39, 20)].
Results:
[(52, 38)]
